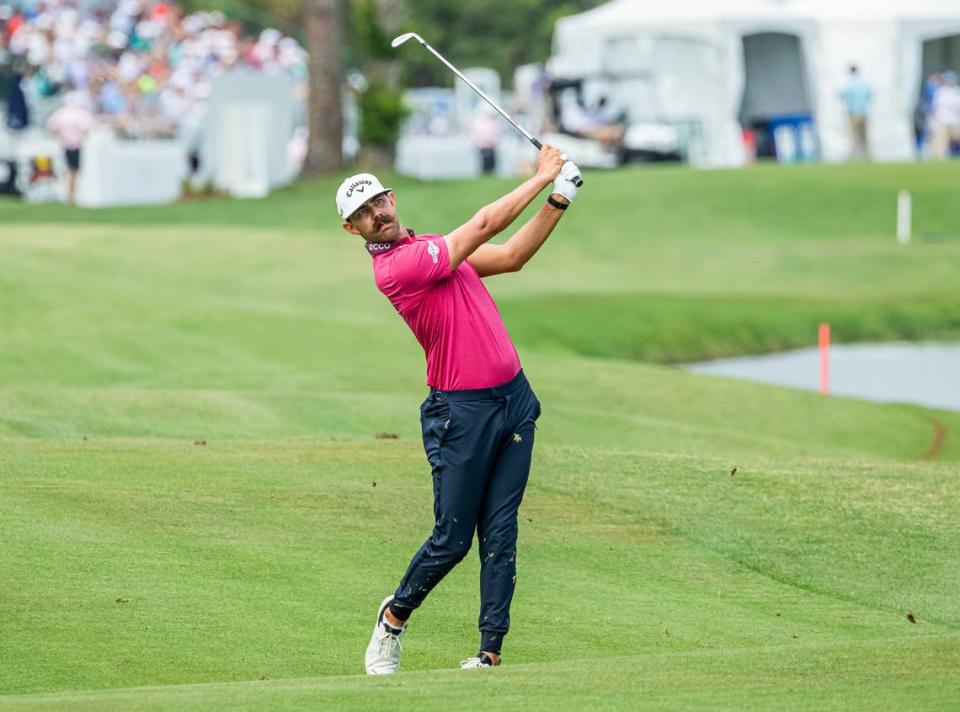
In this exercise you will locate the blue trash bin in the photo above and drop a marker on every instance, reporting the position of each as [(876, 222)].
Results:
[(794, 139)]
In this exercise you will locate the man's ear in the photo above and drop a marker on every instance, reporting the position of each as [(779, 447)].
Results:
[(351, 228)]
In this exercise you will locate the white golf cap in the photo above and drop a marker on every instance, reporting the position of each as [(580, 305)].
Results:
[(357, 190)]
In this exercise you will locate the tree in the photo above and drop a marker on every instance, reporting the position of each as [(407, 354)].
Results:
[(500, 34), (323, 20), (382, 107)]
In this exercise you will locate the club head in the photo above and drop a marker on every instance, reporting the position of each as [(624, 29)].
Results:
[(397, 41)]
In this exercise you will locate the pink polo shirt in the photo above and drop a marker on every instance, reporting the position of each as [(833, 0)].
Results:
[(451, 313)]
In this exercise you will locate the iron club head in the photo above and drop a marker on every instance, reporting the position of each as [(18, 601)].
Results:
[(397, 41)]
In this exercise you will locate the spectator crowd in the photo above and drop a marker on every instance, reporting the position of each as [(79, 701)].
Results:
[(142, 67)]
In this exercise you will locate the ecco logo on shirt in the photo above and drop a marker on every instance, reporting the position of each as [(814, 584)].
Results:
[(434, 252)]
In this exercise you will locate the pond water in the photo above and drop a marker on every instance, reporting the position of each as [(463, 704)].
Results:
[(925, 373)]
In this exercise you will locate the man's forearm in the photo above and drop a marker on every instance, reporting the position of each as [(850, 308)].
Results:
[(528, 239), (498, 215), (492, 219)]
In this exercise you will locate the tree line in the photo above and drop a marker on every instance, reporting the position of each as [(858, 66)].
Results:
[(355, 34)]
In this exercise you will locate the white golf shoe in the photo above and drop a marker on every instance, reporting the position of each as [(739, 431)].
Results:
[(383, 651), (479, 661)]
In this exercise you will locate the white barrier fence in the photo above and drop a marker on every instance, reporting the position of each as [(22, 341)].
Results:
[(118, 172), (243, 146), (113, 171)]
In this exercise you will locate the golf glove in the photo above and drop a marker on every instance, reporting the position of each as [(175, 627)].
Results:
[(563, 185)]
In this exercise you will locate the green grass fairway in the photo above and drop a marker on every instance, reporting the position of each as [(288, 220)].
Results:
[(197, 512)]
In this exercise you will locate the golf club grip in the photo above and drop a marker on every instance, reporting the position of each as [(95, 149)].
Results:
[(578, 181)]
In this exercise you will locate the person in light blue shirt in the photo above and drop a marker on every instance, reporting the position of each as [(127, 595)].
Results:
[(857, 95)]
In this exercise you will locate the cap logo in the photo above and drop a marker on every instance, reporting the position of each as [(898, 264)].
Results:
[(358, 186)]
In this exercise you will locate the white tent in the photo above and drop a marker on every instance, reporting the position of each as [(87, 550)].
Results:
[(887, 39), (713, 66)]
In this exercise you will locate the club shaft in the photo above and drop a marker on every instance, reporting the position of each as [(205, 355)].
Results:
[(486, 98), (577, 179)]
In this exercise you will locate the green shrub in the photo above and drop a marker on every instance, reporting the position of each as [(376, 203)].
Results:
[(382, 111)]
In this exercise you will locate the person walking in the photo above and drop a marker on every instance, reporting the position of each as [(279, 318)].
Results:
[(70, 124), (478, 420), (857, 95), (945, 116), (484, 131)]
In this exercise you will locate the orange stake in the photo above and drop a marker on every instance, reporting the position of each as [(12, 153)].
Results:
[(824, 339)]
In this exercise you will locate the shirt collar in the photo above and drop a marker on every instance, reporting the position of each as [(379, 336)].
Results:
[(382, 248)]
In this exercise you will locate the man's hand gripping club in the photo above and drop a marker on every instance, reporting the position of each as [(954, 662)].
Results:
[(492, 219)]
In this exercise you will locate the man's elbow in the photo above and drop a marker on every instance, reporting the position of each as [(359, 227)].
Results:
[(486, 225), (514, 262), (482, 227)]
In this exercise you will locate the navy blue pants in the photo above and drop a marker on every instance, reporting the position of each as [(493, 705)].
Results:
[(479, 444)]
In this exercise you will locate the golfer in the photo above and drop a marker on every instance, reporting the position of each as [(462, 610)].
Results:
[(478, 420)]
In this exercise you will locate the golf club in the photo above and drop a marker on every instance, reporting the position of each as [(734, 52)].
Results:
[(397, 41)]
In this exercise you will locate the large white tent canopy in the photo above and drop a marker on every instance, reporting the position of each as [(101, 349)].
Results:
[(714, 65)]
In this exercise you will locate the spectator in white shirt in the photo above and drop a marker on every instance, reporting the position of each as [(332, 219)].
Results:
[(945, 118), (70, 124)]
